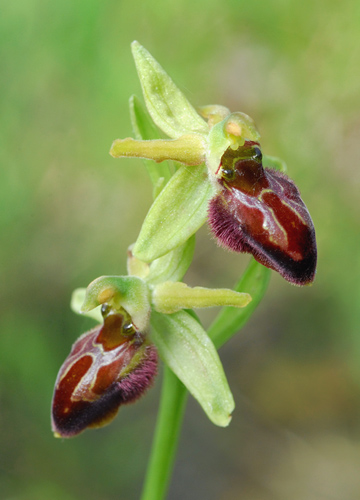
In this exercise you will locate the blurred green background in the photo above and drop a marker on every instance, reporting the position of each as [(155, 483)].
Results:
[(69, 211)]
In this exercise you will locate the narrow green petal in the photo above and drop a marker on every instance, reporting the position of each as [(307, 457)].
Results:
[(176, 214), (170, 297), (144, 129), (184, 346), (254, 281), (167, 105), (173, 265), (187, 149)]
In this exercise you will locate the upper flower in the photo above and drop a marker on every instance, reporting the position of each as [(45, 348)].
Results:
[(251, 204)]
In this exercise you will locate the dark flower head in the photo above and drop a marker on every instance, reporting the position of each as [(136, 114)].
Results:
[(260, 211), (108, 366)]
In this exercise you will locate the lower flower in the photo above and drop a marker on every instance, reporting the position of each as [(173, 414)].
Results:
[(108, 366)]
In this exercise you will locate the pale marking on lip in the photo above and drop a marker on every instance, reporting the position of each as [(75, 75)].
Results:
[(270, 220), (89, 378)]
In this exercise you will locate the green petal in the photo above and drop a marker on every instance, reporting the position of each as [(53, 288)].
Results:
[(170, 297), (173, 265), (144, 129), (129, 292), (188, 149), (167, 105), (176, 214), (184, 346), (254, 281)]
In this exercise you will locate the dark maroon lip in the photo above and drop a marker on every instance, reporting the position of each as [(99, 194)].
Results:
[(260, 211), (108, 366)]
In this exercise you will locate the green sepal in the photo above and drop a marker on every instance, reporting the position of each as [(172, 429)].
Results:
[(176, 214), (274, 162), (229, 321), (129, 292), (167, 105), (185, 347), (173, 265), (77, 300), (169, 297), (144, 129)]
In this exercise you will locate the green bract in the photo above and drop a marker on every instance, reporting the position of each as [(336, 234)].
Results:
[(185, 347), (176, 214), (173, 265)]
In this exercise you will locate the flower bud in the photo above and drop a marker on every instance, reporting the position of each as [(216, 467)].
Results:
[(260, 211), (108, 366)]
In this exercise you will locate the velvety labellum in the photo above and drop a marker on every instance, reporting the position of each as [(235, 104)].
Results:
[(260, 211), (107, 366)]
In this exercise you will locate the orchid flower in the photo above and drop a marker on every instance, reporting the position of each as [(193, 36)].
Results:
[(141, 314), (252, 206)]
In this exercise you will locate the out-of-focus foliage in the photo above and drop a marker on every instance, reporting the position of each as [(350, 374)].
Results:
[(68, 211)]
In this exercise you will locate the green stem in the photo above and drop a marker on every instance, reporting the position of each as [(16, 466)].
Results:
[(173, 396), (171, 411)]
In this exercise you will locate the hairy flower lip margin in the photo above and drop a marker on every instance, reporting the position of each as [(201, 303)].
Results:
[(111, 365), (260, 211)]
